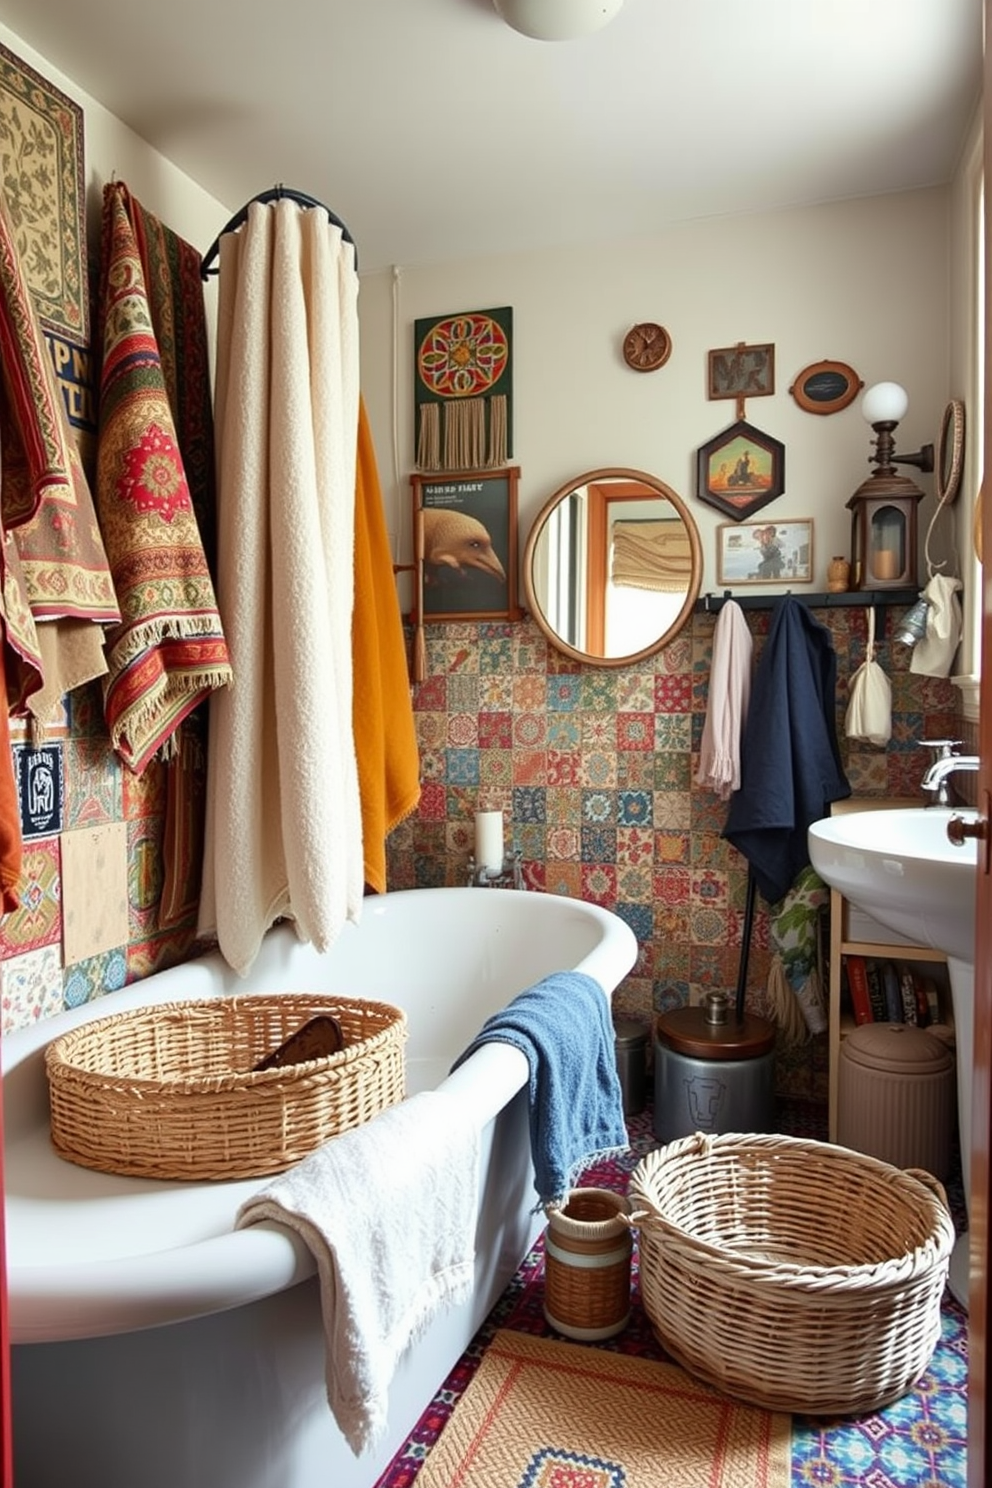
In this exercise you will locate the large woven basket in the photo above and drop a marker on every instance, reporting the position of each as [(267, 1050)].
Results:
[(169, 1092), (796, 1275)]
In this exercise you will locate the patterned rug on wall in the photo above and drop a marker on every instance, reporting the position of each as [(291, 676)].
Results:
[(918, 1442)]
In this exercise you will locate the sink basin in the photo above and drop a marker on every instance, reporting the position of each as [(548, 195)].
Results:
[(899, 867)]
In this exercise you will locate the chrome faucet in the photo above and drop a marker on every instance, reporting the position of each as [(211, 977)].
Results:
[(935, 779)]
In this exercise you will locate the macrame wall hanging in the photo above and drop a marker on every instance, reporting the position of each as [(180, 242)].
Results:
[(463, 403)]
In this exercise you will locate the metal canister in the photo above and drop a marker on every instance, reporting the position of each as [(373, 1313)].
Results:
[(713, 1072), (632, 1060)]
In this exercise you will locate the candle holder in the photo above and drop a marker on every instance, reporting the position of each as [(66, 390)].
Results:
[(510, 876)]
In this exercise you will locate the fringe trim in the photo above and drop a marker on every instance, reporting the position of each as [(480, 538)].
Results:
[(129, 642)]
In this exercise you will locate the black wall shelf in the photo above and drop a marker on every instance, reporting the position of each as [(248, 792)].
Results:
[(711, 604)]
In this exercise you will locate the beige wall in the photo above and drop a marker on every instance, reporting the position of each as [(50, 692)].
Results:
[(864, 282)]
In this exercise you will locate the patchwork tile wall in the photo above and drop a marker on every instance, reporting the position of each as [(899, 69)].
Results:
[(69, 782), (593, 768)]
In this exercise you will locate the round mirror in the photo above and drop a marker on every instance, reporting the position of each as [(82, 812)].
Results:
[(612, 567), (950, 453)]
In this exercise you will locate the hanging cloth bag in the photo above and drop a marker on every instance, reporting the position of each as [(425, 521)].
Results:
[(869, 710)]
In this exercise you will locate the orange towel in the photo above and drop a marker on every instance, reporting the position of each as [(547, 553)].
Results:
[(382, 712), (10, 811)]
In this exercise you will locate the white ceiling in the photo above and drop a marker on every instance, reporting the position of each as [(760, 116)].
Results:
[(437, 133)]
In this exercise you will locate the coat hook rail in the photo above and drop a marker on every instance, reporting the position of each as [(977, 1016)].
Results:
[(208, 265)]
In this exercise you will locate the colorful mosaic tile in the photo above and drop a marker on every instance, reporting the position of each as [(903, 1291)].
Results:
[(462, 766), (598, 768), (530, 767), (635, 771), (495, 730), (563, 693), (95, 977), (635, 731), (462, 730), (37, 921), (94, 790), (30, 988)]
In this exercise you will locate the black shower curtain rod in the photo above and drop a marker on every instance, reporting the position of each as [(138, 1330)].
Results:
[(277, 193)]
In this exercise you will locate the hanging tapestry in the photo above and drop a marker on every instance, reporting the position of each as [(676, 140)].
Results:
[(462, 380), (41, 161)]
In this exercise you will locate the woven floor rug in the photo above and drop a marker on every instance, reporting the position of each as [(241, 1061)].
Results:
[(540, 1413)]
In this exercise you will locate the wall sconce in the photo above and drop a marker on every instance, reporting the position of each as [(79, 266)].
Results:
[(884, 507)]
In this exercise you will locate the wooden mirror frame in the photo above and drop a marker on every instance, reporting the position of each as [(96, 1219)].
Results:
[(950, 454), (596, 565)]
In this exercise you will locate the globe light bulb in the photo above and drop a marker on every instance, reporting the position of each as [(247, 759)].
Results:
[(885, 403)]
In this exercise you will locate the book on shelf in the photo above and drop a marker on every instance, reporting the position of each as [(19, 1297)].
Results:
[(857, 982), (876, 991), (894, 999)]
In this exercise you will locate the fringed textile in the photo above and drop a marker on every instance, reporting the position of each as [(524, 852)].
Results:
[(169, 651), (54, 562)]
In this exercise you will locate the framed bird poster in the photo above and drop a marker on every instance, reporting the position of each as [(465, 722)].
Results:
[(465, 541)]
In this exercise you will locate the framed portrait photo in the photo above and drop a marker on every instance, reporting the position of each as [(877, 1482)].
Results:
[(740, 470), (465, 531), (765, 552)]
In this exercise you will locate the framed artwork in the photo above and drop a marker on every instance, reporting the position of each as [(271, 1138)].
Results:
[(741, 371), (765, 552), (826, 387), (463, 390), (740, 470), (41, 160), (465, 531)]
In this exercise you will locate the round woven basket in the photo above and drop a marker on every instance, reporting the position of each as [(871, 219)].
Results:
[(796, 1275), (170, 1092)]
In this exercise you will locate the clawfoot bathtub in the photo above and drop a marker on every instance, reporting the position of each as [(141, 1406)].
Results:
[(154, 1346)]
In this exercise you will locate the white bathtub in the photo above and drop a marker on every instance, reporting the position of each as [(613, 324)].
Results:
[(155, 1346)]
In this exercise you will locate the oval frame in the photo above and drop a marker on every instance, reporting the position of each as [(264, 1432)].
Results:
[(950, 454), (695, 545), (852, 385)]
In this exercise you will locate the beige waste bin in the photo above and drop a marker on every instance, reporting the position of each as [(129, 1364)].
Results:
[(896, 1096)]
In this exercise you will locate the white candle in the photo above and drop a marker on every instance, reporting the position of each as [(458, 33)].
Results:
[(489, 840)]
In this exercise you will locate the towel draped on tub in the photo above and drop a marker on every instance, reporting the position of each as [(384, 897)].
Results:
[(563, 1026), (389, 1212)]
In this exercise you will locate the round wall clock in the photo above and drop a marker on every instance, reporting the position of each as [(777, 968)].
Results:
[(647, 346)]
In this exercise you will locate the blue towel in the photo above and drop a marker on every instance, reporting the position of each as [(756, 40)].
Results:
[(791, 767), (563, 1025)]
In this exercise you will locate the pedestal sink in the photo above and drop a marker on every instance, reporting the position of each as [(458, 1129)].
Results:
[(901, 868)]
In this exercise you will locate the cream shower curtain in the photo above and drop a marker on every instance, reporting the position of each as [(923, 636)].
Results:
[(283, 817)]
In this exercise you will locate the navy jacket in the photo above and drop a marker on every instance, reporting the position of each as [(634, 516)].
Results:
[(790, 760)]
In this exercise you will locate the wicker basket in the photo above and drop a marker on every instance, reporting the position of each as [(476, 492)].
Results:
[(797, 1275), (169, 1092), (587, 1249)]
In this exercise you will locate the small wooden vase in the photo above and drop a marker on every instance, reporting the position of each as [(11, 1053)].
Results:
[(838, 575)]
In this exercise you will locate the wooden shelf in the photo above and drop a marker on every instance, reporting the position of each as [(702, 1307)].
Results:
[(840, 1023)]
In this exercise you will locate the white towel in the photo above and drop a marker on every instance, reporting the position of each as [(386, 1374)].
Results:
[(283, 815), (934, 654), (727, 703), (389, 1211)]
